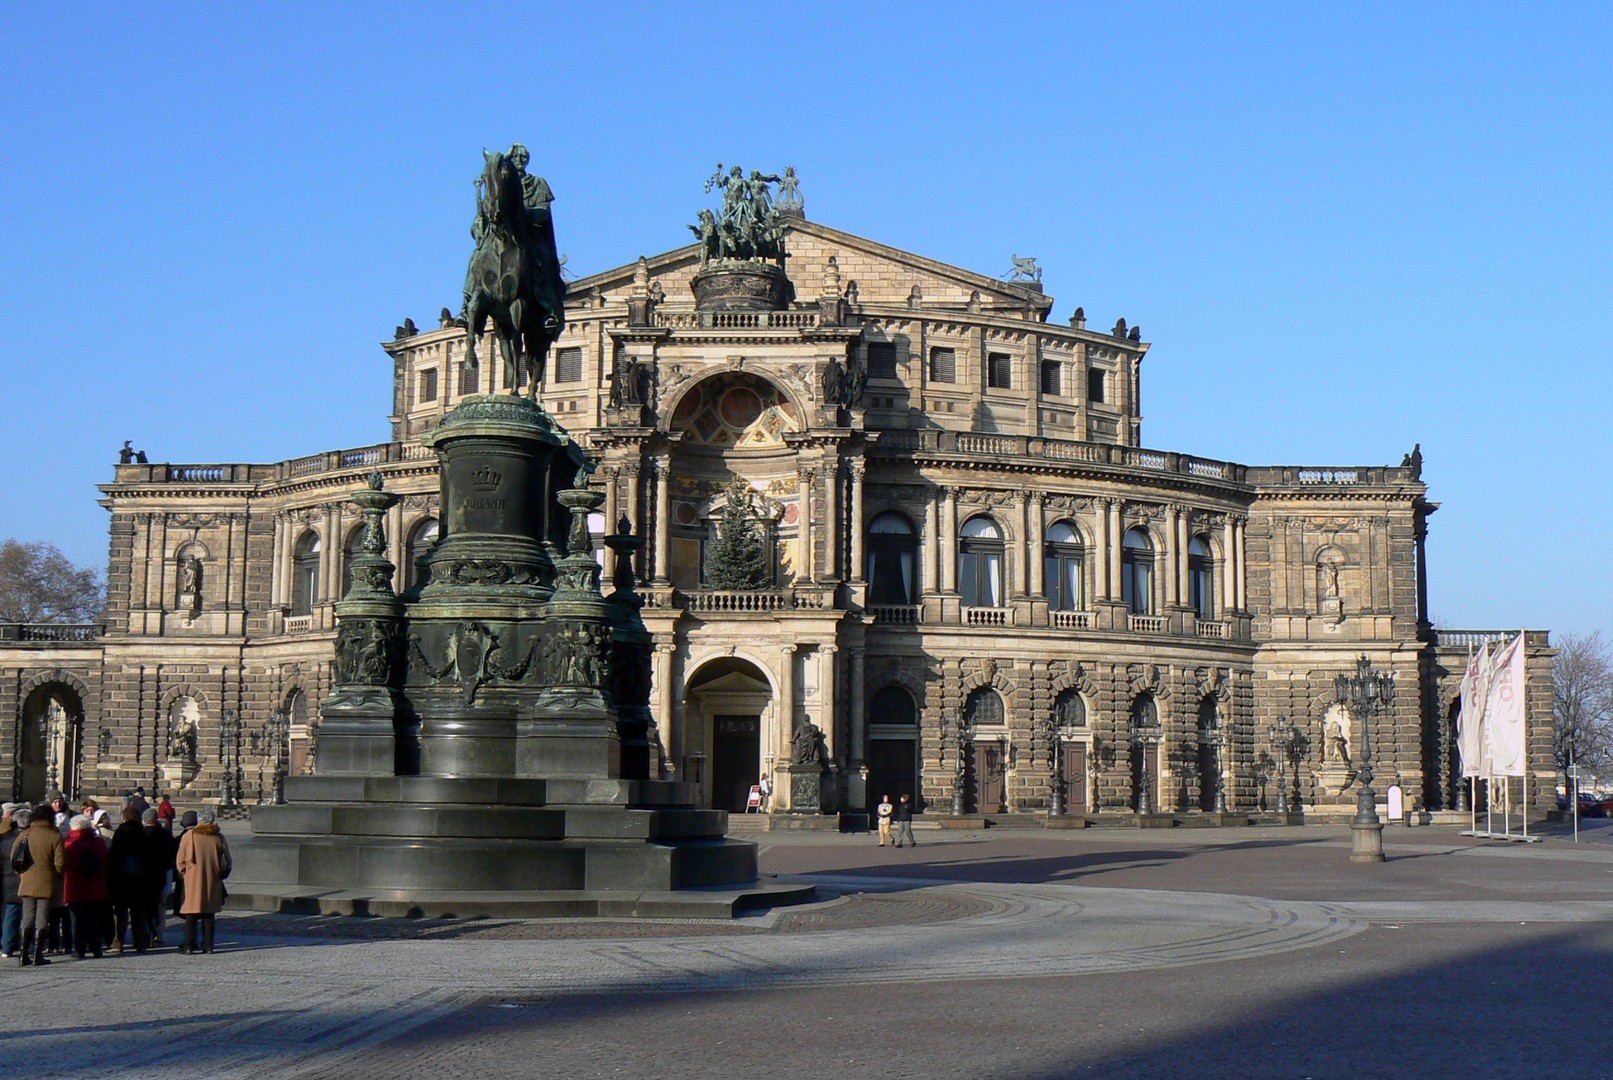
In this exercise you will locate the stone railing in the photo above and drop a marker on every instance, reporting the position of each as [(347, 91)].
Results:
[(985, 616), (299, 624), (1073, 620), (896, 614), (59, 632), (735, 600), (1211, 630), (975, 443), (812, 597), (358, 457), (1329, 476), (1147, 624), (737, 320), (1475, 639)]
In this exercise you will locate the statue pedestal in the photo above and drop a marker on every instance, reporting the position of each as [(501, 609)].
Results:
[(1366, 842), (803, 785), (735, 285)]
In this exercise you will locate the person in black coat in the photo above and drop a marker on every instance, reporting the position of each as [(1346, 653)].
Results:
[(159, 868), (128, 882)]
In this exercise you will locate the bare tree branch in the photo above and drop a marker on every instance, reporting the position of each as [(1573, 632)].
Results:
[(38, 584), (1582, 701)]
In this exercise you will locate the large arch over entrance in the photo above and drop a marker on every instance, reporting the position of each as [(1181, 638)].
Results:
[(727, 702), (50, 742)]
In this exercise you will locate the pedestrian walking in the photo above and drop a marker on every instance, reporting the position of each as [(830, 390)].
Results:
[(84, 885), (165, 812), (903, 816), (883, 813), (203, 860), (14, 818), (41, 880)]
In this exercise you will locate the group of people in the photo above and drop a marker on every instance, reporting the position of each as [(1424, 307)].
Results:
[(895, 821), (75, 885)]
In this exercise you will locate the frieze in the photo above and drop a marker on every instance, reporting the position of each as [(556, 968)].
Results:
[(366, 652)]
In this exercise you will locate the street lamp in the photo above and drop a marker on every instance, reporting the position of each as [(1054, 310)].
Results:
[(1144, 736), (1366, 692), (1290, 743), (1222, 741)]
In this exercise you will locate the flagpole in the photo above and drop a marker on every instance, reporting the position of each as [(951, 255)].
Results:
[(1524, 690)]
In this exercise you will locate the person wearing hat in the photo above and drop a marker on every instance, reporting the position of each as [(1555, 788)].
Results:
[(11, 826), (84, 884), (203, 861), (41, 883), (160, 848), (129, 883), (187, 822)]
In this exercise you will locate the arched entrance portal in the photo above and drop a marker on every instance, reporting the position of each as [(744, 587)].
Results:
[(50, 742), (727, 704)]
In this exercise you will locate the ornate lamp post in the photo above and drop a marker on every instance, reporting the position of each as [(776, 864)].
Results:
[(278, 745), (51, 754), (1219, 805), (1144, 736), (1289, 742), (1364, 693)]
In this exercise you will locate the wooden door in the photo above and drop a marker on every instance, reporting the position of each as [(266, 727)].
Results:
[(736, 747), (1075, 777)]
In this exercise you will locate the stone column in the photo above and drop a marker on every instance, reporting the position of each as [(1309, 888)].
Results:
[(826, 694), (1023, 579), (1036, 526), (1175, 557), (635, 512), (663, 521), (1229, 560), (1100, 549), (332, 566), (859, 470), (784, 732), (670, 741), (156, 576), (1240, 573), (949, 542), (612, 503), (931, 551), (803, 479), (1117, 541), (831, 520), (1183, 543), (855, 708)]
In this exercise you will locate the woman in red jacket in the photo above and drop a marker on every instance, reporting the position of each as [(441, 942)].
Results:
[(84, 885)]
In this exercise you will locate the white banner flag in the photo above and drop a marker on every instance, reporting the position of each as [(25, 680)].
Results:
[(1471, 743), (1504, 712)]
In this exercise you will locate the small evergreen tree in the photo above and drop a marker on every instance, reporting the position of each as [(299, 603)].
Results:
[(738, 557)]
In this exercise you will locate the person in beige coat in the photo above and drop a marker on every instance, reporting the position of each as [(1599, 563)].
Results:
[(203, 861), (41, 882)]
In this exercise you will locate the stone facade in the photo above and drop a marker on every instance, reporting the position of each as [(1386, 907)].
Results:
[(987, 591)]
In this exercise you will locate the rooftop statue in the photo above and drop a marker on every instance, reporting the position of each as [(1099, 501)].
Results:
[(514, 276), (747, 227)]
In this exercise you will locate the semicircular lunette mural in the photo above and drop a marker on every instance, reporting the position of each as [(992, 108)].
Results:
[(738, 410)]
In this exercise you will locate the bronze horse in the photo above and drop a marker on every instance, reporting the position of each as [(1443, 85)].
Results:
[(514, 274)]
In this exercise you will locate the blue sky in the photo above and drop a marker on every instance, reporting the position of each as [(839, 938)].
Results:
[(1345, 231)]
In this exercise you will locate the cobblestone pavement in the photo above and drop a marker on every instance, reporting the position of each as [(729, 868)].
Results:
[(1114, 952)]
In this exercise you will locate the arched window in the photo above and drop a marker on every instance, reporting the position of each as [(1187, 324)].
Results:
[(892, 560), (1066, 569), (980, 563), (305, 573), (1069, 710), (421, 537), (984, 708), (1144, 713), (1201, 581), (350, 552), (892, 705), (1137, 572)]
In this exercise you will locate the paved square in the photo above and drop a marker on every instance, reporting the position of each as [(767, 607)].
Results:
[(1014, 953)]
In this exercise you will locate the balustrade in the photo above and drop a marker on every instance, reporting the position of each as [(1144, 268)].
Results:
[(1147, 624), (1073, 620), (985, 616)]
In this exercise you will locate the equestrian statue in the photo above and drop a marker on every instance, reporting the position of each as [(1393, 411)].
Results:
[(514, 275)]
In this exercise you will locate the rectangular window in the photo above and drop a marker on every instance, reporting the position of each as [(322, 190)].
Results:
[(881, 360), (568, 365), (1095, 382), (999, 371), (1052, 377), (428, 385), (943, 365), (469, 379)]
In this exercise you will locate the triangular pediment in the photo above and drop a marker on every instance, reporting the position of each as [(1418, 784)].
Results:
[(876, 273)]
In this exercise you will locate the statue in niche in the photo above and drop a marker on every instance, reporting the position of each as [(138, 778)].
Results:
[(190, 575), (182, 739), (1336, 748)]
